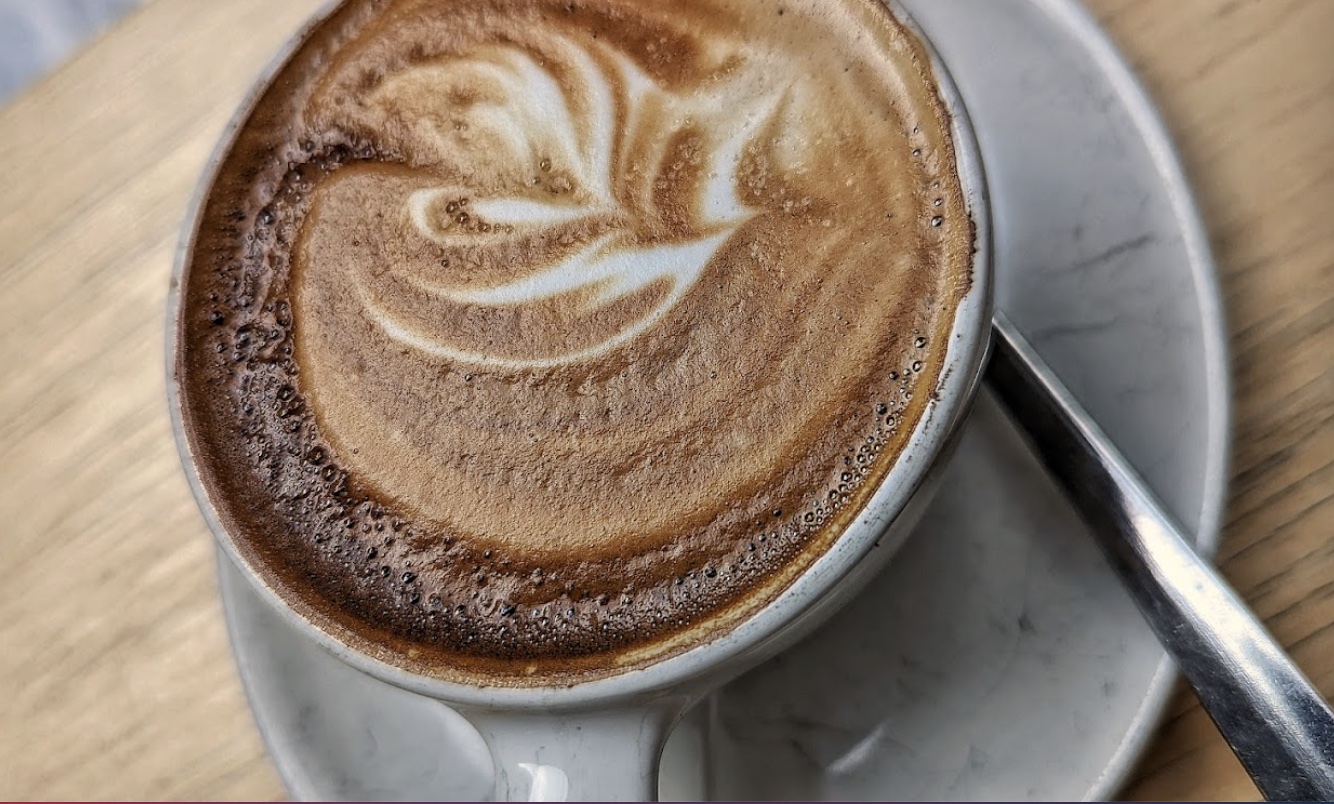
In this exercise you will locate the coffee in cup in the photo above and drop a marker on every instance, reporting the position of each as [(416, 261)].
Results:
[(528, 342)]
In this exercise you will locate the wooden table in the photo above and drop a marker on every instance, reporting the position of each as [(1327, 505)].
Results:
[(115, 675)]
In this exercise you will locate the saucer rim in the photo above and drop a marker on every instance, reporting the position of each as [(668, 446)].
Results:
[(1166, 159)]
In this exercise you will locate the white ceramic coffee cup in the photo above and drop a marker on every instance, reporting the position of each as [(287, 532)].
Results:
[(602, 739)]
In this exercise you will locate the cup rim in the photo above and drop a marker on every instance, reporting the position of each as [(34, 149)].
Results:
[(969, 343)]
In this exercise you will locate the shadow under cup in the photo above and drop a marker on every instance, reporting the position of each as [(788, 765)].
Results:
[(622, 720)]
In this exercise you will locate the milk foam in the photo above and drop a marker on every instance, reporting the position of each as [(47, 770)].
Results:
[(534, 120)]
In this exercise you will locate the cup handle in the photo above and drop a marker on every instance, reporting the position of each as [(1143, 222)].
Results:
[(603, 755)]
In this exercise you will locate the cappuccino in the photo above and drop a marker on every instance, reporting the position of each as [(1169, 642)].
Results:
[(526, 342)]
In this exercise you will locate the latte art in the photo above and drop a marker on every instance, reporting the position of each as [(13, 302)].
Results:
[(527, 341), (607, 130)]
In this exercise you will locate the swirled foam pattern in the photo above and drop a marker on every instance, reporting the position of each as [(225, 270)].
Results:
[(527, 341)]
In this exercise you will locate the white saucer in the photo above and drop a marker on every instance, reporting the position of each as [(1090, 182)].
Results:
[(997, 658)]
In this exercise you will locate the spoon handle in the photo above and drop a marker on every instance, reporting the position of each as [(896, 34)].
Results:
[(1277, 723)]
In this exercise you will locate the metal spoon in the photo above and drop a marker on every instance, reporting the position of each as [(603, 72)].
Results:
[(1277, 723)]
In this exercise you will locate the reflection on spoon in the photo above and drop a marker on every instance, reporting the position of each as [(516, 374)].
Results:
[(1277, 723)]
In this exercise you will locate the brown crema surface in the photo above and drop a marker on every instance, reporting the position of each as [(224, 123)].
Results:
[(523, 341)]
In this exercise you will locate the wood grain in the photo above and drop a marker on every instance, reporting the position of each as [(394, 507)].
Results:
[(115, 676)]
